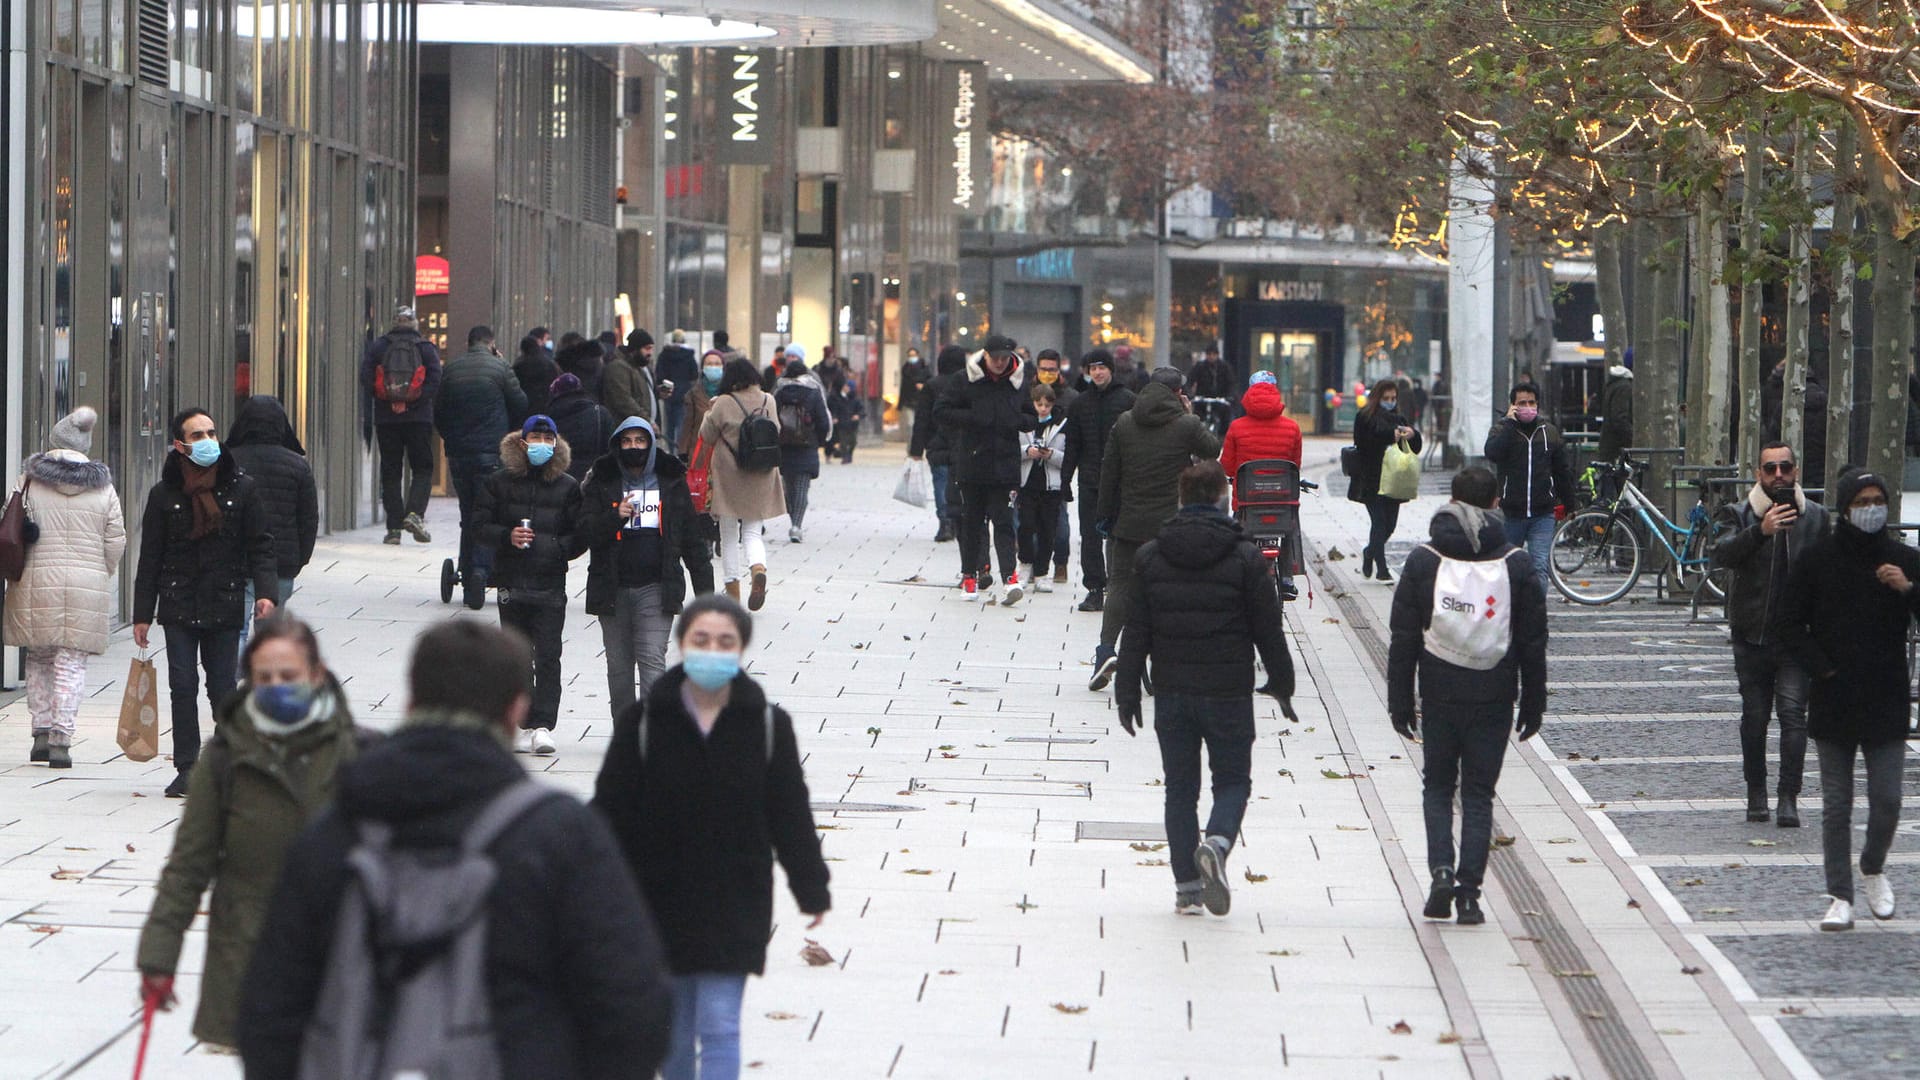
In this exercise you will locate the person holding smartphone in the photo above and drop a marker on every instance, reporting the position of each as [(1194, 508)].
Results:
[(1041, 487), (1777, 522)]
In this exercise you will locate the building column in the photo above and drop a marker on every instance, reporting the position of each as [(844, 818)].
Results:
[(472, 192)]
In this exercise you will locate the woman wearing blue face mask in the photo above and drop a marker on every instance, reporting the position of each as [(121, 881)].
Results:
[(700, 400), (267, 771), (529, 513), (702, 785)]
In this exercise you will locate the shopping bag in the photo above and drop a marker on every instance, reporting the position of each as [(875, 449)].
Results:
[(697, 475), (915, 486), (140, 712), (1400, 473)]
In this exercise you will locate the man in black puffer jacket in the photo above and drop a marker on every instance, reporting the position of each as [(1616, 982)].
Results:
[(988, 410), (1467, 677), (932, 441), (263, 444), (203, 536), (1201, 602), (530, 560), (479, 402), (576, 979)]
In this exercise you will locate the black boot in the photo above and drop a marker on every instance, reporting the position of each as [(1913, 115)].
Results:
[(1366, 562), (944, 534), (1096, 600), (1440, 895), (1470, 913), (39, 750), (1757, 809), (1789, 816)]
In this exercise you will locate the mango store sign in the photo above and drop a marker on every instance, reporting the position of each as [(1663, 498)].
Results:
[(431, 276)]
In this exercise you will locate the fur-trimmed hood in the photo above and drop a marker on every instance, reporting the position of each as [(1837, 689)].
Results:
[(513, 457), (1761, 502), (68, 471), (977, 369)]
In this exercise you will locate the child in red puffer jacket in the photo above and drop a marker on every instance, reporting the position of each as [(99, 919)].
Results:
[(1264, 433)]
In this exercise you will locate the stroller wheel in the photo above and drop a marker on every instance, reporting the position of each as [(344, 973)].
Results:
[(449, 577)]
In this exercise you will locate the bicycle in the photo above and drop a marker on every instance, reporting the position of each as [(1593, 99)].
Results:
[(1598, 552), (1217, 413), (1267, 498)]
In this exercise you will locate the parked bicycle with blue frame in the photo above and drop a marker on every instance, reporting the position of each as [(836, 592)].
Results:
[(1600, 552)]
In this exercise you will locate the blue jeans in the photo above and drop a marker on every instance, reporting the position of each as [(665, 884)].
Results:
[(1224, 726), (941, 474), (1536, 535), (1062, 538), (706, 1010), (188, 648), (676, 413)]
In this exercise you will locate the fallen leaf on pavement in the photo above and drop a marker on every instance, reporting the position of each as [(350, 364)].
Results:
[(64, 874), (1351, 828), (1575, 859), (922, 873), (783, 1016), (1633, 903), (1561, 840), (1255, 878), (1151, 862), (1329, 619), (1689, 970), (949, 971), (1448, 1038), (1503, 841), (1583, 973), (1762, 843), (1026, 906), (1147, 847), (1280, 952), (1401, 1027), (1792, 1010), (1694, 881), (1719, 910), (44, 929), (129, 848), (816, 954), (1070, 1010)]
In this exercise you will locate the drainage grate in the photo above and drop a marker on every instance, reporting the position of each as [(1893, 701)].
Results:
[(1120, 830)]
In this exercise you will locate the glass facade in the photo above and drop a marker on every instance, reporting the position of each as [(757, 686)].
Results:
[(219, 205)]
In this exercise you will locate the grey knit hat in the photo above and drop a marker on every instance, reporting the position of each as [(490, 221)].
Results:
[(75, 430)]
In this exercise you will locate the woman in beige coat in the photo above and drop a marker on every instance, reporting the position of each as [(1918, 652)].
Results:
[(741, 500), (59, 608)]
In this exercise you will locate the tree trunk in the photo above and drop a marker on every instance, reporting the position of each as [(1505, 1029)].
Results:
[(1713, 327), (1840, 263), (1613, 303), (1645, 249), (1892, 343), (1699, 297), (1753, 177), (1663, 364), (1793, 394)]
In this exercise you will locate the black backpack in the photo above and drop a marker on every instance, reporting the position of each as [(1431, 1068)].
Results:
[(403, 371), (405, 990), (759, 447), (796, 427)]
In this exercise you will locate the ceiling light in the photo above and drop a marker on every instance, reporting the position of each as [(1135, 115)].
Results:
[(481, 24)]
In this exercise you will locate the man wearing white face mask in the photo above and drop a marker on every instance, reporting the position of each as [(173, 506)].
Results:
[(202, 536), (1849, 601)]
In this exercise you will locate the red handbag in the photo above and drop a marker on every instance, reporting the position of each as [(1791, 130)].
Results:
[(697, 475)]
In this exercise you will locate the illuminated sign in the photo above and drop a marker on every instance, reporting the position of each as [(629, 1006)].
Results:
[(1293, 290), (431, 276)]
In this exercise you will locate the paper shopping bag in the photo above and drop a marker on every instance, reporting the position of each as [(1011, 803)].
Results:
[(140, 713)]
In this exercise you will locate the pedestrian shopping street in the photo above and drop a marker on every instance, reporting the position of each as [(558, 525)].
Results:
[(1002, 904)]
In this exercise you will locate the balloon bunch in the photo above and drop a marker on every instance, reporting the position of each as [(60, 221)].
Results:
[(1333, 398)]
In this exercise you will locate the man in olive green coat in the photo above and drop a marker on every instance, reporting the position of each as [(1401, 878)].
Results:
[(1140, 491), (250, 795)]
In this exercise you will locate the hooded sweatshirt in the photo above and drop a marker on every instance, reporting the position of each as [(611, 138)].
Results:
[(1149, 447), (263, 444), (1469, 533), (1265, 433), (639, 542)]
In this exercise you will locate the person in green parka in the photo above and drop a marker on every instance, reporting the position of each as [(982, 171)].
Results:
[(268, 770)]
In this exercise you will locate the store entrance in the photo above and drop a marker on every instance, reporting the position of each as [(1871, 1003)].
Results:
[(1299, 342)]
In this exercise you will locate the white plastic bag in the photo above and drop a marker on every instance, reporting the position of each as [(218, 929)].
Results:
[(915, 486)]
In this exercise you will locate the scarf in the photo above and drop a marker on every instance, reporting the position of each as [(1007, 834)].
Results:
[(198, 484), (324, 704), (1472, 520)]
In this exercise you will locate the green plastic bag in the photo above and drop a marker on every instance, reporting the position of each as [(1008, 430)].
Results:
[(1400, 473)]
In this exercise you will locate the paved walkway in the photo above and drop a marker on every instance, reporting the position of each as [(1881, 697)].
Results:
[(1001, 898)]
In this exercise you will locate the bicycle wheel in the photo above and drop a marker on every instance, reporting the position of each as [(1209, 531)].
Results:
[(1696, 571), (1596, 558)]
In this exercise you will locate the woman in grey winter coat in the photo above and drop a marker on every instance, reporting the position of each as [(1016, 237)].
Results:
[(59, 608)]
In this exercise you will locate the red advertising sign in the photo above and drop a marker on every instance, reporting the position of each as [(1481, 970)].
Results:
[(431, 276)]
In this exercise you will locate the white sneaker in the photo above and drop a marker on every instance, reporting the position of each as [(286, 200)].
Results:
[(793, 535), (1879, 894), (1839, 916), (1041, 583), (543, 741), (523, 741)]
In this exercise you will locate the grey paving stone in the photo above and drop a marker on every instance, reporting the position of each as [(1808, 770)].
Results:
[(1716, 832), (1859, 1047), (1644, 738), (1760, 893), (1635, 700), (1814, 964), (1699, 780), (1680, 646)]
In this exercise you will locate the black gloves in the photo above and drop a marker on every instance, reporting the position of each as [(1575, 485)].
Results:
[(1407, 726), (1528, 726), (1131, 717)]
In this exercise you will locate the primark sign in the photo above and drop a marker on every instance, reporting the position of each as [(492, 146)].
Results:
[(966, 161), (746, 110)]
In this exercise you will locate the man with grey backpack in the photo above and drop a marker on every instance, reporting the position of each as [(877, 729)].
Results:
[(450, 917), (1470, 620)]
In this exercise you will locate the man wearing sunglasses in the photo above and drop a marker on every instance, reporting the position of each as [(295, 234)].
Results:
[(1777, 523)]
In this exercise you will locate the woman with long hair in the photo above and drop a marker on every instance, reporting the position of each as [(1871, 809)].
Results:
[(743, 500), (1375, 428), (703, 787)]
